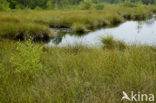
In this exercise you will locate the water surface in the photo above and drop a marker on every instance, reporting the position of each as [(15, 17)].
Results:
[(131, 32)]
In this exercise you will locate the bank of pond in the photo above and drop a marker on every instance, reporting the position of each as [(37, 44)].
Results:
[(20, 25)]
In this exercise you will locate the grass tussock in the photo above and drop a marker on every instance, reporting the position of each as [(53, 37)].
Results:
[(79, 28), (37, 22), (21, 31), (75, 75), (110, 43)]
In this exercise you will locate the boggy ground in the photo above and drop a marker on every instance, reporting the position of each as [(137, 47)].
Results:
[(22, 24), (30, 73)]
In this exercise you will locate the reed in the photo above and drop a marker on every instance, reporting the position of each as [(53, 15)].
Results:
[(80, 74), (37, 22)]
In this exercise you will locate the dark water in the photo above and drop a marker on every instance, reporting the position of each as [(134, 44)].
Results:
[(131, 32)]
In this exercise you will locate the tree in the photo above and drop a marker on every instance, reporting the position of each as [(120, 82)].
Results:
[(86, 4), (4, 5), (49, 4), (60, 3), (148, 1)]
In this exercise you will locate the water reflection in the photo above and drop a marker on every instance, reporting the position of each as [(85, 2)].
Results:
[(151, 21), (140, 25), (57, 40), (142, 32)]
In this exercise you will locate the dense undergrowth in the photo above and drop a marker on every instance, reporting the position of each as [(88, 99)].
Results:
[(30, 73), (35, 23)]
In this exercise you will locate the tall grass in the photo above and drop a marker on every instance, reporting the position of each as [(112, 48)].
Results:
[(110, 43), (78, 75), (23, 31), (37, 22)]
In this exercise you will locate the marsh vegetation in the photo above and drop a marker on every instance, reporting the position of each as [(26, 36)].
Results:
[(78, 74), (31, 72), (37, 23), (131, 32)]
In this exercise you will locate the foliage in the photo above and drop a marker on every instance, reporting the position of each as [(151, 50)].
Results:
[(71, 75), (38, 8), (128, 3), (49, 4), (19, 6), (4, 5), (26, 61), (62, 4), (36, 23), (86, 4), (80, 74), (99, 6)]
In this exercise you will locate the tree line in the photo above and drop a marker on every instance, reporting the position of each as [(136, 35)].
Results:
[(44, 4)]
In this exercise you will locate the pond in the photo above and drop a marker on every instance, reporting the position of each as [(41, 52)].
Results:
[(131, 32)]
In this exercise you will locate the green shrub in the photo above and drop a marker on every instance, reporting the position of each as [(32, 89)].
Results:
[(38, 8), (4, 5), (128, 3), (19, 6), (80, 75), (26, 61), (99, 6), (49, 4), (86, 4)]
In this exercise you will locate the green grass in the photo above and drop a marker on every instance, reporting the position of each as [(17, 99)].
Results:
[(110, 43), (30, 73), (79, 28), (23, 30), (37, 22), (74, 75)]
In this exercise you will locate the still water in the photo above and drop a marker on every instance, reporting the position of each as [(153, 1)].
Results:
[(131, 32)]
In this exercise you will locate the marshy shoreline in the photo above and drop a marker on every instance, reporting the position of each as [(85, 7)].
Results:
[(19, 25), (70, 74), (31, 72)]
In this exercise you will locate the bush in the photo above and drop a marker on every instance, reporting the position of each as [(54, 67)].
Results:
[(49, 4), (99, 6), (86, 4), (128, 3), (19, 6), (4, 6), (38, 8), (26, 60)]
